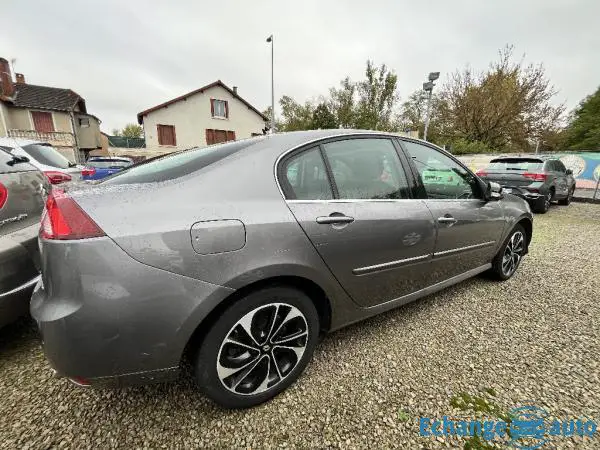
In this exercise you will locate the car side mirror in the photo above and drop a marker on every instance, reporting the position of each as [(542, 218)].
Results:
[(569, 172), (491, 190)]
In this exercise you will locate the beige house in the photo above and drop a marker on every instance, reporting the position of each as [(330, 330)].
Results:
[(209, 115), (54, 115)]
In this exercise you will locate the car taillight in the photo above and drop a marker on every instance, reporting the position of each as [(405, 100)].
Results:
[(535, 176), (482, 173), (64, 219), (88, 171), (3, 195), (57, 177)]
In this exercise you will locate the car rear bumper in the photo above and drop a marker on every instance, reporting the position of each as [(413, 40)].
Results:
[(19, 264), (108, 320), (529, 195)]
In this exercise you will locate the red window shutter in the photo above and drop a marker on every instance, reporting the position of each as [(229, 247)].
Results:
[(231, 135), (42, 121), (173, 136), (212, 107), (166, 135), (210, 137), (227, 109)]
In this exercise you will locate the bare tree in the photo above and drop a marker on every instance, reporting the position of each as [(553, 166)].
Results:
[(507, 107)]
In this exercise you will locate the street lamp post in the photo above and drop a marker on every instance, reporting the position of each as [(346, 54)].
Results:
[(270, 39), (428, 87)]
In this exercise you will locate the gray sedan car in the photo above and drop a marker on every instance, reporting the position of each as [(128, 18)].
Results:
[(240, 255)]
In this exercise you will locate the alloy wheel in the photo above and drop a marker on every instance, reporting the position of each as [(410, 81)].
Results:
[(513, 252), (262, 348)]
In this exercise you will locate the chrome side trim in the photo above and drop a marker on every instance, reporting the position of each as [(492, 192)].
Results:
[(464, 249), (388, 265), (22, 287)]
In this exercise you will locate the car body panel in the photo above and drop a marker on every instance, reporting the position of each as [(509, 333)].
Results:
[(102, 167), (128, 303), (389, 245), (19, 225)]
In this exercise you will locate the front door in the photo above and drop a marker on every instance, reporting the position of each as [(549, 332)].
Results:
[(357, 211), (468, 228)]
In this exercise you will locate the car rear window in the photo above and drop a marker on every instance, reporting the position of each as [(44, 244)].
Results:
[(514, 164), (178, 164), (47, 155)]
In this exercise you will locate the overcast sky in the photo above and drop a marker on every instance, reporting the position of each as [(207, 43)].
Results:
[(126, 56)]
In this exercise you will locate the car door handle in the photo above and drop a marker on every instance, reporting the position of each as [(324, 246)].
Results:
[(446, 219), (333, 218)]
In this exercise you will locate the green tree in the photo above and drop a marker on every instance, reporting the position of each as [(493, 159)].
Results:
[(323, 118), (295, 116), (413, 113), (343, 103), (377, 97), (131, 130), (583, 132)]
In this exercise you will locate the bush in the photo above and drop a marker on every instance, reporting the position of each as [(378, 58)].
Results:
[(465, 147)]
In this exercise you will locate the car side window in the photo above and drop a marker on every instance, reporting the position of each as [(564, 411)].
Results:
[(305, 177), (560, 167), (366, 169), (442, 177)]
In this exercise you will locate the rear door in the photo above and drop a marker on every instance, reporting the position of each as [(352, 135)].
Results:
[(467, 227), (353, 199)]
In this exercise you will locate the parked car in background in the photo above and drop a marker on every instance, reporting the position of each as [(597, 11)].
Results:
[(46, 158), (539, 180), (99, 167), (242, 254), (21, 205)]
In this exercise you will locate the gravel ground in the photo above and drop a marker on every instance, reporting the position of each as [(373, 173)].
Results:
[(533, 340)]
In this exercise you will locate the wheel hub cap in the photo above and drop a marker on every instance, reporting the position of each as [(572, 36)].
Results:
[(513, 253), (262, 348)]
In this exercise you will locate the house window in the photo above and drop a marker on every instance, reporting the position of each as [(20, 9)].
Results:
[(84, 122), (42, 121), (218, 136), (219, 108), (166, 135)]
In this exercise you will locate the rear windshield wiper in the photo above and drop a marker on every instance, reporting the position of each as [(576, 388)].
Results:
[(16, 159)]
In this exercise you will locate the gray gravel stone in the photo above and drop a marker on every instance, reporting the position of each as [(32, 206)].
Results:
[(534, 339)]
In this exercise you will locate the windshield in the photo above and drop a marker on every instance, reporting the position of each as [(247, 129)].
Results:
[(47, 155), (178, 164), (109, 164), (514, 164)]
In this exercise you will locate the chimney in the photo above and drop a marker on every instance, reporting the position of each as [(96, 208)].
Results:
[(6, 86), (235, 90), (20, 78)]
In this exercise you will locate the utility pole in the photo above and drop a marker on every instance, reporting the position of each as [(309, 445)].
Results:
[(428, 87), (270, 39)]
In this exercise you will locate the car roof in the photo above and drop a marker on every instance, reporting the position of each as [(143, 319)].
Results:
[(18, 142)]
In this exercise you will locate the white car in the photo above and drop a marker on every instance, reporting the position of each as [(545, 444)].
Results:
[(46, 158)]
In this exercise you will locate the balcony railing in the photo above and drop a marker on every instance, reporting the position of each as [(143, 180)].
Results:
[(55, 138)]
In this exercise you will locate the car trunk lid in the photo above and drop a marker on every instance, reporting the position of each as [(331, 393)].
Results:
[(516, 172)]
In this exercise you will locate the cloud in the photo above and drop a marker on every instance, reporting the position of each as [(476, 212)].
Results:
[(124, 57)]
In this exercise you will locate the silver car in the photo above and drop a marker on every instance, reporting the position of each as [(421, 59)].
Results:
[(239, 256)]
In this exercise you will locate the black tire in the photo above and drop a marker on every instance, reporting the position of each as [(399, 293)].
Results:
[(248, 384), (567, 201), (499, 263), (542, 204)]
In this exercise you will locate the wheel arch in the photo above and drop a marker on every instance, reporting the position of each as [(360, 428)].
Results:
[(311, 288), (527, 224)]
